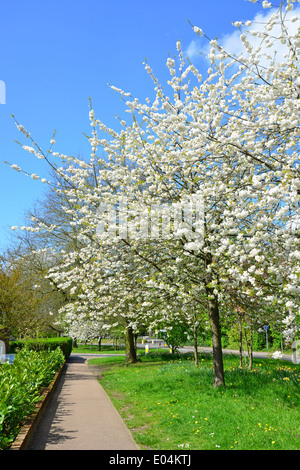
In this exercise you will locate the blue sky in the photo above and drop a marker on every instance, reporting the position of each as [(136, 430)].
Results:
[(55, 55)]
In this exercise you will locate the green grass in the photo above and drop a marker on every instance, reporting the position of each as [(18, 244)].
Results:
[(107, 349), (93, 349), (168, 403)]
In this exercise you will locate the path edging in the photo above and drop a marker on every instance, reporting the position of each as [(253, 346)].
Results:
[(23, 438)]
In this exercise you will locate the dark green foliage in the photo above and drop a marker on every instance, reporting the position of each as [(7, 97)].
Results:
[(175, 336), (21, 387)]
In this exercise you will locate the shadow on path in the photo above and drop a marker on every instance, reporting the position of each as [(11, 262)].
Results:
[(80, 415), (49, 430)]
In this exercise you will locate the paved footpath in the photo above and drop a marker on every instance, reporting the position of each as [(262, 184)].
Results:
[(80, 415)]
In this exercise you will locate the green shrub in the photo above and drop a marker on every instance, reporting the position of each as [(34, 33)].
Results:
[(21, 386), (43, 344)]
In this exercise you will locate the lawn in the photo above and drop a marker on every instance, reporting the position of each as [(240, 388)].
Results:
[(108, 349), (93, 349), (168, 403)]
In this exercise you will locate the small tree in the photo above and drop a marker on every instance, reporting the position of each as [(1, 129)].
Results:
[(21, 305), (175, 334)]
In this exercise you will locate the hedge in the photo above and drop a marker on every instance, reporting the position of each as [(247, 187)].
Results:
[(42, 344), (21, 388)]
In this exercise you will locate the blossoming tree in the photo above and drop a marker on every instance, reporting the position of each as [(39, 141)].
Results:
[(229, 139)]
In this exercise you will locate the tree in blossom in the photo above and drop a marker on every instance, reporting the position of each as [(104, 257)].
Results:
[(229, 139)]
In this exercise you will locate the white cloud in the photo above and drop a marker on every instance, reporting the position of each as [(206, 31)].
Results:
[(193, 49), (233, 44)]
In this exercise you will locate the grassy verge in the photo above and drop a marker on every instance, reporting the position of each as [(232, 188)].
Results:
[(93, 349), (168, 403), (107, 349)]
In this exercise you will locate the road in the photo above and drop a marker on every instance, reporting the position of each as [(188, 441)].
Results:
[(153, 346), (259, 355)]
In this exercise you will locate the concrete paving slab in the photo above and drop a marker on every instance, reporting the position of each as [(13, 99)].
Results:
[(80, 415)]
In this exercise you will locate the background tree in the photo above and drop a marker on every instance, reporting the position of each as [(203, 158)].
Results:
[(22, 304)]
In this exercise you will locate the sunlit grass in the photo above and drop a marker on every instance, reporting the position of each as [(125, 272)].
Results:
[(171, 404), (108, 349), (93, 349)]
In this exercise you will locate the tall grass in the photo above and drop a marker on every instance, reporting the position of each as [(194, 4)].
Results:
[(171, 404)]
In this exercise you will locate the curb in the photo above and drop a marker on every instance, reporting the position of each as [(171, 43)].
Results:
[(23, 438)]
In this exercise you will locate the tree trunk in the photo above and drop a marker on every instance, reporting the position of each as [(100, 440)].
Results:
[(99, 343), (241, 343), (251, 349), (130, 349), (251, 357), (195, 345), (249, 343), (214, 318)]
